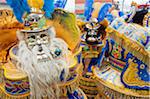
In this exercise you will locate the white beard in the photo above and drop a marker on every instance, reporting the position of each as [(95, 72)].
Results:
[(42, 75)]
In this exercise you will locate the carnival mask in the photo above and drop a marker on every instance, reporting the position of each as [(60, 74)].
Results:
[(94, 33), (38, 42), (39, 39)]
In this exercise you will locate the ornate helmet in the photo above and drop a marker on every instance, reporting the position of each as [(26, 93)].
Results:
[(32, 14)]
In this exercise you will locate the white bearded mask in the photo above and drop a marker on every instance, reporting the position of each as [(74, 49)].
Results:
[(43, 57)]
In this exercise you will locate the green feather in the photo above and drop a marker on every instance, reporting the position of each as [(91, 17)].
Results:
[(42, 22)]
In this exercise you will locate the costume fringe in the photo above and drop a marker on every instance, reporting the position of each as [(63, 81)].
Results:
[(130, 45)]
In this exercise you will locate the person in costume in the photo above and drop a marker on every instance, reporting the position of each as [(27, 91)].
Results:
[(94, 33), (93, 44), (44, 58), (41, 56), (126, 62)]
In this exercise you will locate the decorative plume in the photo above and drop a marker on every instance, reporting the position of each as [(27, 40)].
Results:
[(48, 7), (19, 8), (103, 11), (88, 9)]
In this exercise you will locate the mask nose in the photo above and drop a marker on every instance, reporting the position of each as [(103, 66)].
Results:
[(40, 49), (92, 32)]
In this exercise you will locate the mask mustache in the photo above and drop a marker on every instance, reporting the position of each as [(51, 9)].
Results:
[(41, 74), (43, 55)]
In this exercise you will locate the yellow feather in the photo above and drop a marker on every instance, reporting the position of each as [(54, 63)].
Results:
[(38, 4), (66, 28), (97, 7)]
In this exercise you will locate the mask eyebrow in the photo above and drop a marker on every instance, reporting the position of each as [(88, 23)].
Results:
[(42, 35), (31, 36)]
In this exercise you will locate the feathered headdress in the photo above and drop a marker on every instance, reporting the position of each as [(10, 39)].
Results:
[(103, 11), (90, 9), (20, 7)]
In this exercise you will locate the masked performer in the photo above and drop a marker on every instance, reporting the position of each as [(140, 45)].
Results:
[(42, 57), (42, 60)]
